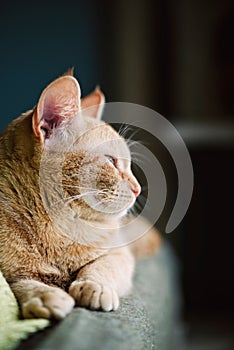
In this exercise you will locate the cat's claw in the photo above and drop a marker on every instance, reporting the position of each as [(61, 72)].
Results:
[(94, 296), (50, 304)]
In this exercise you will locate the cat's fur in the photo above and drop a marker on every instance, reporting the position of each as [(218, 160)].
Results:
[(48, 272)]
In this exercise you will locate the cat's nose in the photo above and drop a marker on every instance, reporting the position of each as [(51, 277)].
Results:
[(134, 185), (136, 190)]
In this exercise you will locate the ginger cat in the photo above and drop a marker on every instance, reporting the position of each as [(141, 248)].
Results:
[(48, 272)]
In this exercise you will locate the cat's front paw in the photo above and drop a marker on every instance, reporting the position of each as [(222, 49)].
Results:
[(94, 295), (50, 304)]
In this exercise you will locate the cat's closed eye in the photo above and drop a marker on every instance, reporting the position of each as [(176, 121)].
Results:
[(112, 160)]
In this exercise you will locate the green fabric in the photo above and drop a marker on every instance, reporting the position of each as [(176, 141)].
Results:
[(12, 329)]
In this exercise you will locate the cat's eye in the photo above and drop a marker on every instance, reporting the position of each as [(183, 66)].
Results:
[(112, 160)]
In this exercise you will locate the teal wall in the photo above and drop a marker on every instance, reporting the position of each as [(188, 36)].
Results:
[(38, 42)]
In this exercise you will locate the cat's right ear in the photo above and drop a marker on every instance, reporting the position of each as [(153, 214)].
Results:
[(93, 104), (59, 101)]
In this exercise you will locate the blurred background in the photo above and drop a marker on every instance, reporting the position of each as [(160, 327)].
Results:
[(176, 57)]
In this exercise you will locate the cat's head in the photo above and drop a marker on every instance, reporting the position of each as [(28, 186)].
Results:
[(96, 171)]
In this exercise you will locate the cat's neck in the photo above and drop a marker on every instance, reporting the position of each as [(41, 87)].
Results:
[(85, 231)]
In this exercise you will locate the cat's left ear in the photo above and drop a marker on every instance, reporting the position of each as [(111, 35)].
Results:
[(93, 104), (59, 101)]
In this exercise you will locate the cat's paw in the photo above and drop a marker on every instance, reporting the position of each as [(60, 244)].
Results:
[(50, 304), (94, 296)]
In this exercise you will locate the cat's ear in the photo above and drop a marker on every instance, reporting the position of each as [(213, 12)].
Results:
[(93, 104), (59, 101)]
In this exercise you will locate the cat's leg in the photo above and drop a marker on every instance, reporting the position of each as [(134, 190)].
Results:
[(38, 300), (99, 284)]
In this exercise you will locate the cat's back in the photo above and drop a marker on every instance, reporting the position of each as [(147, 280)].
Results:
[(17, 138), (17, 192)]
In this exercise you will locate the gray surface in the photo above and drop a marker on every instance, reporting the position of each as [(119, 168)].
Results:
[(146, 319)]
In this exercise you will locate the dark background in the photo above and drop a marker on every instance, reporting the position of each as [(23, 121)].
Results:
[(176, 57)]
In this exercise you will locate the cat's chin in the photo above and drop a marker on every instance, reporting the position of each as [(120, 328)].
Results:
[(114, 217), (97, 216)]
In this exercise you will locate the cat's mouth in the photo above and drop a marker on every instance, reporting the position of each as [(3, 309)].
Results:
[(112, 203)]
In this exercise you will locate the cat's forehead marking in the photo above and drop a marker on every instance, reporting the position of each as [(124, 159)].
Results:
[(102, 138)]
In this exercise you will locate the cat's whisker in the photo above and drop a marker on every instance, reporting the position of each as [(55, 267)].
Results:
[(130, 138), (101, 203), (137, 142), (78, 196), (124, 129), (72, 198), (79, 187), (97, 204), (138, 156), (104, 190), (131, 143), (74, 186)]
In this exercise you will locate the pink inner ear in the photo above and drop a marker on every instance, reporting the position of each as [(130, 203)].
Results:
[(59, 101), (50, 117), (56, 109)]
